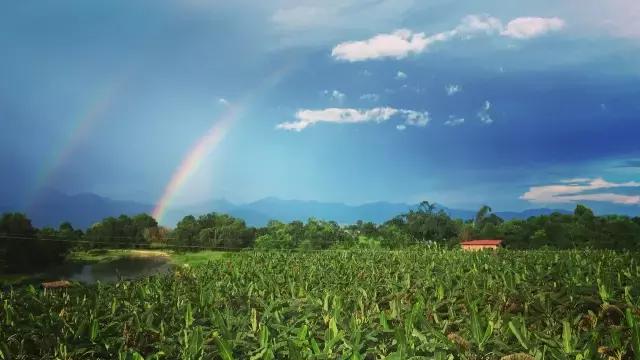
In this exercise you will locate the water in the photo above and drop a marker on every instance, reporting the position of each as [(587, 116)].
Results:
[(90, 273)]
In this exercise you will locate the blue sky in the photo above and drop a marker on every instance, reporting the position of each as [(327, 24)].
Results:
[(515, 104)]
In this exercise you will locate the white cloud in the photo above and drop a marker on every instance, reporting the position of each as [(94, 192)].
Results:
[(416, 118), (582, 189), (484, 115), (306, 118), (223, 101), (454, 121), (370, 97), (575, 180), (397, 45), (530, 27), (335, 95), (452, 89), (400, 75), (404, 42), (401, 127), (475, 24)]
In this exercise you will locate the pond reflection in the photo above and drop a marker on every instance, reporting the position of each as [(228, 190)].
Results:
[(89, 273)]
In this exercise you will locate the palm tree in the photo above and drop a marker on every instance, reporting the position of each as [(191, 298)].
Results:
[(426, 207), (481, 215)]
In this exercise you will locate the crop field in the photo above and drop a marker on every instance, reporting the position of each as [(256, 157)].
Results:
[(410, 304)]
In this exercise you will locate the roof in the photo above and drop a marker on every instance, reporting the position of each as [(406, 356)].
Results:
[(481, 242), (56, 284)]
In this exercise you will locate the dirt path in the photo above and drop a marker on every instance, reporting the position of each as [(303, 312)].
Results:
[(148, 253)]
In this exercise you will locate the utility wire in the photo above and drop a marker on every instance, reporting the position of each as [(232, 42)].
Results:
[(115, 243), (149, 245)]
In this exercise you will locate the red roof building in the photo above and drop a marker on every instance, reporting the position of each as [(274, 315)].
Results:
[(473, 245)]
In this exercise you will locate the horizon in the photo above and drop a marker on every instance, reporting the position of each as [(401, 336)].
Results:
[(461, 104), (83, 210), (568, 206)]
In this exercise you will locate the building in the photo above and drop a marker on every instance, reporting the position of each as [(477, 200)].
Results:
[(474, 245)]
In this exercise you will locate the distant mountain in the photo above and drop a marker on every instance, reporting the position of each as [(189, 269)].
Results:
[(82, 210), (53, 207), (289, 210), (250, 216)]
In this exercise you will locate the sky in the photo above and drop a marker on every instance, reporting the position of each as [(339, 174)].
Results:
[(515, 104)]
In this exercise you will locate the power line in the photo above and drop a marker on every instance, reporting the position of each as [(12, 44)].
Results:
[(116, 243), (111, 236), (153, 246)]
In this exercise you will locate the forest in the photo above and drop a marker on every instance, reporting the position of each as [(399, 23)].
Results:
[(24, 247)]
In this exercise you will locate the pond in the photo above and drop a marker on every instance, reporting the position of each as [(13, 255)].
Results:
[(108, 271), (125, 268)]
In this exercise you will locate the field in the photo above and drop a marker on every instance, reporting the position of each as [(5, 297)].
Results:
[(411, 304)]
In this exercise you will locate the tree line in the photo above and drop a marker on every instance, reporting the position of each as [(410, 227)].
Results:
[(22, 246)]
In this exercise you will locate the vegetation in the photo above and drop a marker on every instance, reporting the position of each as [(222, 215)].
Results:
[(110, 255), (416, 303), (179, 258), (22, 247), (213, 230), (123, 231), (196, 258)]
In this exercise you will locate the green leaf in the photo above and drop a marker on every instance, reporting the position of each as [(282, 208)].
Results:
[(518, 335), (567, 346), (224, 349), (634, 327)]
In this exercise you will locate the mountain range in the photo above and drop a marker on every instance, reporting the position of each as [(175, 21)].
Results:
[(83, 210)]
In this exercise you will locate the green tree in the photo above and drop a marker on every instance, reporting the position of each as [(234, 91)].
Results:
[(214, 230), (123, 231), (427, 225), (24, 248), (277, 236)]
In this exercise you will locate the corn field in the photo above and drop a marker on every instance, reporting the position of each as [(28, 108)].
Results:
[(412, 304)]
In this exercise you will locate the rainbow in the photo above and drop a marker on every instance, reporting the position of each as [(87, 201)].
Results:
[(208, 142), (194, 158), (78, 133)]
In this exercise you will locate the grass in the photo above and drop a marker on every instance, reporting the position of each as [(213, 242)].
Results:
[(176, 258)]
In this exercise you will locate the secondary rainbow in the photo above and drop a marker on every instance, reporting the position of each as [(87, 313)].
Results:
[(79, 133)]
